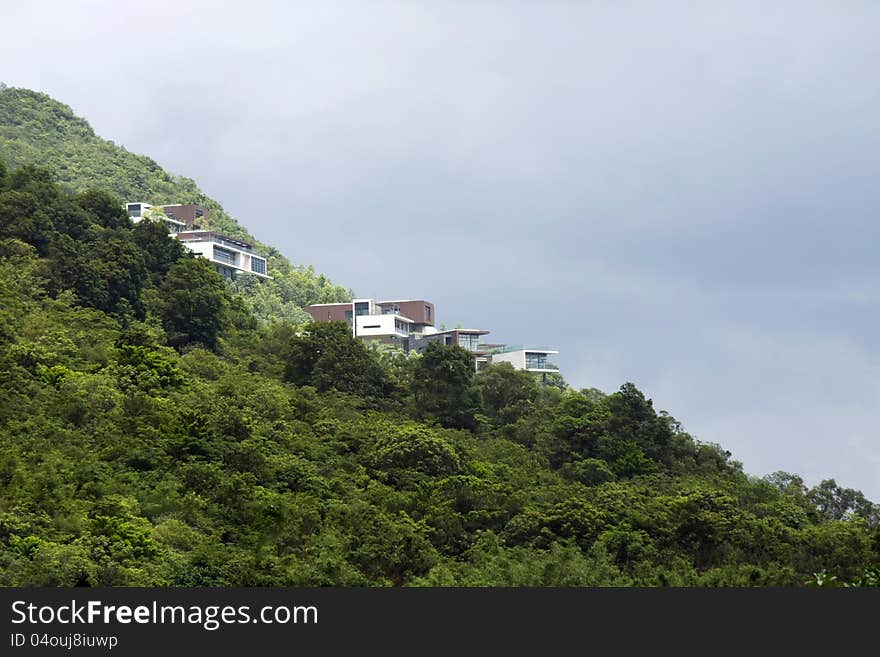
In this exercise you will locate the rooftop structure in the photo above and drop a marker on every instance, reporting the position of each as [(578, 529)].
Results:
[(189, 214), (139, 211)]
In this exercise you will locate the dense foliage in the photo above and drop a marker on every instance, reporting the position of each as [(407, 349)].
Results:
[(154, 432), (151, 432), (37, 130)]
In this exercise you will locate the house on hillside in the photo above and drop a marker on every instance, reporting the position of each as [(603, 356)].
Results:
[(387, 322), (468, 339), (190, 214), (229, 255), (409, 325), (530, 359), (139, 211)]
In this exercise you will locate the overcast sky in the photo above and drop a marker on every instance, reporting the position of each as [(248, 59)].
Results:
[(681, 195)]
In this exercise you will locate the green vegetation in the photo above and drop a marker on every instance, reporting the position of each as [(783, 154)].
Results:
[(37, 130), (154, 432)]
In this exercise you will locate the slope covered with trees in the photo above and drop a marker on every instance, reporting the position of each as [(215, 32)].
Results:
[(37, 130), (153, 431)]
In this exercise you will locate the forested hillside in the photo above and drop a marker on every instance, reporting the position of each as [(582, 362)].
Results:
[(35, 129), (154, 432)]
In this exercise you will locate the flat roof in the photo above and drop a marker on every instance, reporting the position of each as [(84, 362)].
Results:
[(213, 233)]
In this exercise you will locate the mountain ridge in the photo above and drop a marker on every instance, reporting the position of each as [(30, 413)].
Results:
[(36, 129)]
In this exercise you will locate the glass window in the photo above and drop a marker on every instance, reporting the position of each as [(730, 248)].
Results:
[(222, 255), (468, 341), (258, 265), (536, 361), (225, 272)]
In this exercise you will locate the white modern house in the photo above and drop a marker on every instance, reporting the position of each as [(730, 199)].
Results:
[(530, 359), (229, 255), (369, 319), (409, 325), (382, 326)]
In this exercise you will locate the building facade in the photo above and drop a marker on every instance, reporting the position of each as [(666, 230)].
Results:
[(192, 216), (389, 322), (530, 359), (229, 255), (139, 211), (409, 325)]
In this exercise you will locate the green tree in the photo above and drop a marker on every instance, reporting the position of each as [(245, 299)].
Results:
[(193, 302), (633, 417), (401, 451), (327, 356), (158, 248), (107, 274), (104, 207), (443, 386), (20, 219), (506, 394), (836, 503)]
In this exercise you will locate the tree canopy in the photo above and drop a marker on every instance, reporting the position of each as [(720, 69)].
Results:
[(161, 427)]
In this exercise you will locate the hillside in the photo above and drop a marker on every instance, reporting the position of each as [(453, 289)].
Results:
[(154, 432), (37, 130)]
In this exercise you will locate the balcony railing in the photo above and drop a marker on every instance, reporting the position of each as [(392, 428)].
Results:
[(217, 239), (540, 365), (378, 312), (517, 347)]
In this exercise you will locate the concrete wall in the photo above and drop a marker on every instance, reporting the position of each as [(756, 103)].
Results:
[(187, 213), (379, 325), (518, 359), (329, 313), (515, 358), (415, 310)]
